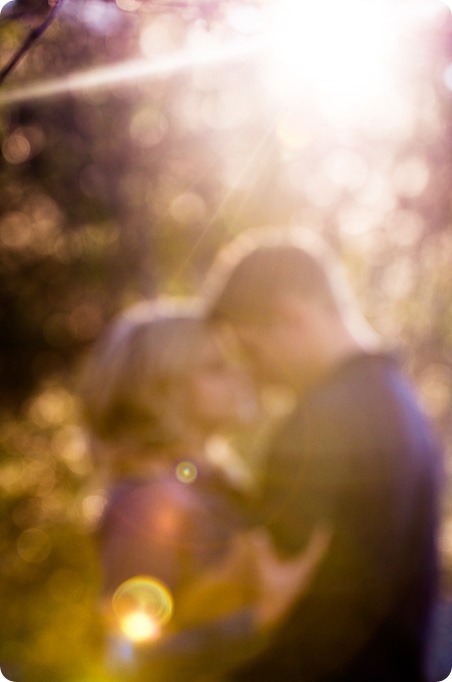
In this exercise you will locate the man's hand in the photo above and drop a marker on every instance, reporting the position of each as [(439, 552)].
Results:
[(253, 576), (282, 581)]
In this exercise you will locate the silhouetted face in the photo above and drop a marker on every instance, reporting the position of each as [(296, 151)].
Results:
[(264, 350), (219, 393), (270, 350)]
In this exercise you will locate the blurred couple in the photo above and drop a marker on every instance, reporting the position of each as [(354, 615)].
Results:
[(323, 567)]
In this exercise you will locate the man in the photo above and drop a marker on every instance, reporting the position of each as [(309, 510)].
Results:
[(355, 453)]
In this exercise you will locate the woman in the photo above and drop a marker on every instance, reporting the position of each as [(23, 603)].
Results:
[(172, 539)]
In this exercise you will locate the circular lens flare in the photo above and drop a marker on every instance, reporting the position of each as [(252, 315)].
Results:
[(142, 606)]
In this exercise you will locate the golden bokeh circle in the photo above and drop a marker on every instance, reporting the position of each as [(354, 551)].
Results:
[(186, 472)]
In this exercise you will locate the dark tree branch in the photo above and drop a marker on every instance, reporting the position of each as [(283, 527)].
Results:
[(30, 39), (204, 7)]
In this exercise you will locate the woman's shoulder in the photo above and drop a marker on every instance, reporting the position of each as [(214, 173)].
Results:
[(189, 493), (148, 490), (151, 504)]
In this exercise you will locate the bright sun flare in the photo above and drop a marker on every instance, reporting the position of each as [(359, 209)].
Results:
[(138, 626), (337, 53)]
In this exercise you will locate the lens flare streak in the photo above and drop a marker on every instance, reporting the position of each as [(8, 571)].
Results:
[(132, 70)]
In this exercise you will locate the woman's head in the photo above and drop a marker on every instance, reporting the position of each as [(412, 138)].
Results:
[(156, 377)]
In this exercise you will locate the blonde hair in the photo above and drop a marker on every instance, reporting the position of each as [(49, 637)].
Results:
[(132, 392)]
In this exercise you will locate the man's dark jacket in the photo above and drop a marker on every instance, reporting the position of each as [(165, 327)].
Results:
[(356, 452)]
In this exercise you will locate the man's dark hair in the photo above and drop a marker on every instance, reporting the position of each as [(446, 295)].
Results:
[(249, 276)]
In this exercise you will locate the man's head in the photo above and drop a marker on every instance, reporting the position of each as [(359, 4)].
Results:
[(286, 304)]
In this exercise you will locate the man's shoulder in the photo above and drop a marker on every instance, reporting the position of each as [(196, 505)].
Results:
[(366, 403), (351, 385), (364, 384), (357, 374)]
